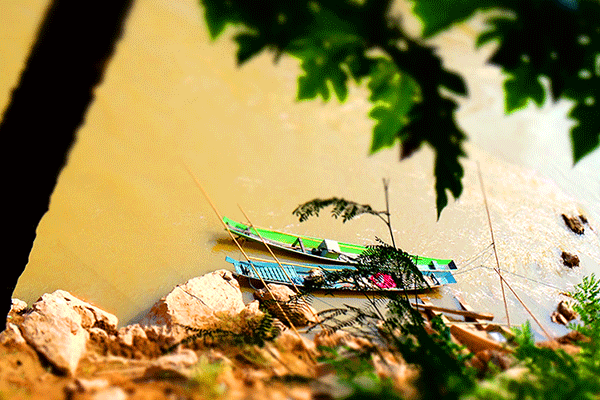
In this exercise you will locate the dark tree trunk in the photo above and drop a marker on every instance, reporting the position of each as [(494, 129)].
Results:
[(75, 41)]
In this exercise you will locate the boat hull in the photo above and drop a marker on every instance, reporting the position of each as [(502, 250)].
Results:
[(294, 274), (317, 248)]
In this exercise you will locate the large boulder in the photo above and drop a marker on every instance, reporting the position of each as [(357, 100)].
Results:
[(198, 302), (54, 329)]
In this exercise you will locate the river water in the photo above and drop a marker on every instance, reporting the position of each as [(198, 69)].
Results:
[(127, 222)]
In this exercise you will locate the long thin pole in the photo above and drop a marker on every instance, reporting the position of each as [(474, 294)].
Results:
[(247, 257), (487, 210), (279, 263), (526, 309), (386, 184), (498, 271), (269, 248)]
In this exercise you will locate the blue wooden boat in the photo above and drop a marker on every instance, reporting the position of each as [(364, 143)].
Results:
[(301, 275)]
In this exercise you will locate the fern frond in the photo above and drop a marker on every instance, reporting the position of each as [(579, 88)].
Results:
[(341, 207)]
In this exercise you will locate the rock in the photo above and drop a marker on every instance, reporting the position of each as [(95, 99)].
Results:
[(11, 336), (111, 393), (184, 358), (574, 223), (98, 335), (128, 334), (566, 309), (558, 318), (91, 316), (289, 341), (197, 302), (176, 364), (287, 306), (569, 343), (17, 309), (54, 329), (251, 310), (17, 306), (570, 260), (564, 313), (165, 336), (81, 385), (573, 337), (132, 342)]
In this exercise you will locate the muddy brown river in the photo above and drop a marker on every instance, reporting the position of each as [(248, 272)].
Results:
[(127, 222)]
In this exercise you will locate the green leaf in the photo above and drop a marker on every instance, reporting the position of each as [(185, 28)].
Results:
[(532, 45), (341, 207), (329, 63), (248, 46), (521, 87), (218, 14), (438, 15), (427, 120), (585, 136), (318, 71), (394, 95)]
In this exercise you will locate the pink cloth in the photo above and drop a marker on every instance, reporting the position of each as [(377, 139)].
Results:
[(384, 281)]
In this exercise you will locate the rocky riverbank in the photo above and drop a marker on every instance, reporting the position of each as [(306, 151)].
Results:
[(199, 341), (62, 347)]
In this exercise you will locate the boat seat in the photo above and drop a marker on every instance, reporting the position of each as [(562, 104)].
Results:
[(434, 265), (329, 248), (275, 274)]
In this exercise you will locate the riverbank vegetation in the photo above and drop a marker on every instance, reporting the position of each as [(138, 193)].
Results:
[(399, 351), (567, 368), (392, 335)]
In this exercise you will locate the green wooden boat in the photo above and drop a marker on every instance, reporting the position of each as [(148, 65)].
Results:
[(322, 249)]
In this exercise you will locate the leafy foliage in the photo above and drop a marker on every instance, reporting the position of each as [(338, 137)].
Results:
[(233, 331), (355, 371), (338, 42), (393, 94), (335, 46), (444, 370), (544, 373), (587, 297), (554, 40), (204, 378), (381, 260), (341, 207), (587, 305)]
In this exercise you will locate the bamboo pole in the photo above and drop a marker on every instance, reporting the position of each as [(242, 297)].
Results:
[(269, 249), (247, 258), (487, 210), (464, 313), (498, 271), (386, 184), (279, 263)]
